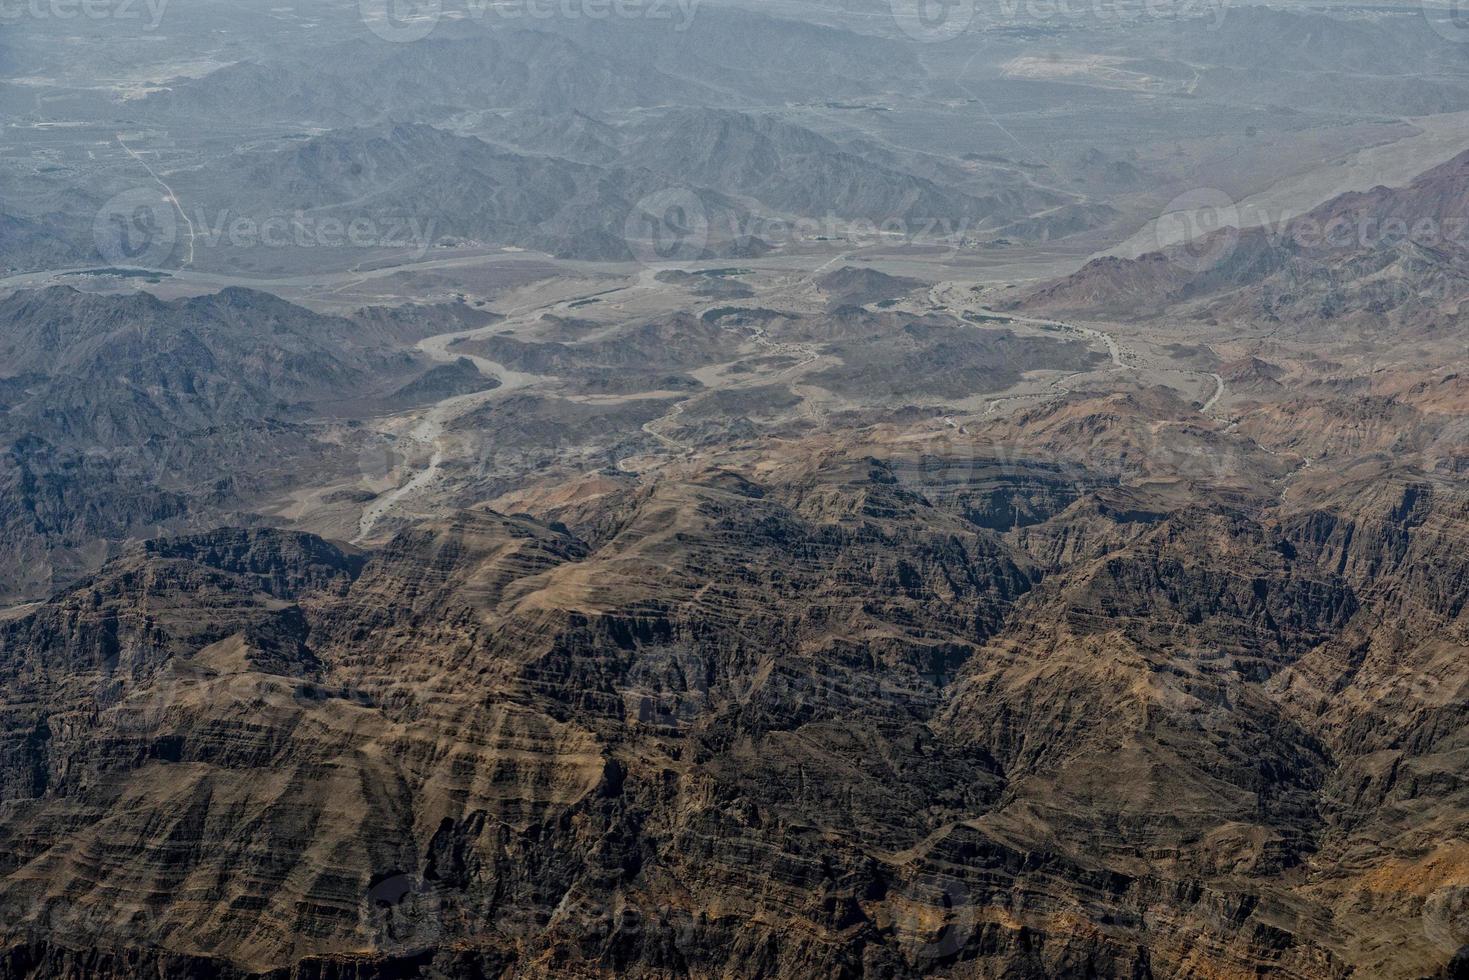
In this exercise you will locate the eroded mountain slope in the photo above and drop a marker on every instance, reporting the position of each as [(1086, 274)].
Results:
[(799, 722)]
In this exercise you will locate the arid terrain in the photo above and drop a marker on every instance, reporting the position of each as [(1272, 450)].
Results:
[(785, 491)]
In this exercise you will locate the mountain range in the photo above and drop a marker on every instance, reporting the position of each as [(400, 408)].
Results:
[(1363, 259)]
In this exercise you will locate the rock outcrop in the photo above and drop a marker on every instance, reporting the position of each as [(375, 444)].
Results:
[(824, 721)]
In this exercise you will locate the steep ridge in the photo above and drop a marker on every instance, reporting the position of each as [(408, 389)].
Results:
[(808, 721), (1394, 255), (123, 417), (797, 171), (522, 191), (427, 80), (451, 187)]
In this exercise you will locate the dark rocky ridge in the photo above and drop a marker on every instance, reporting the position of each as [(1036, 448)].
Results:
[(819, 725)]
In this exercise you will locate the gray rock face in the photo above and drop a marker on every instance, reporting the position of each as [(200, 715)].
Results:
[(125, 417), (1388, 259)]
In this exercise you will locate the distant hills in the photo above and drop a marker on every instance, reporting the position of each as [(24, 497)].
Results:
[(1386, 254), (723, 57), (748, 174), (124, 416), (452, 186)]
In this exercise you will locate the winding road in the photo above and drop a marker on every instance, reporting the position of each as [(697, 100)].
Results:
[(1214, 398), (432, 429), (943, 294)]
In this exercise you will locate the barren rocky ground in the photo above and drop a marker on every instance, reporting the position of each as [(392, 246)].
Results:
[(796, 496)]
